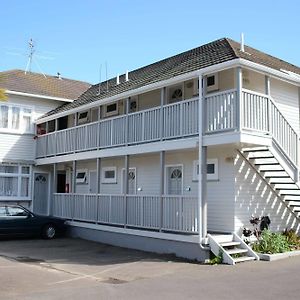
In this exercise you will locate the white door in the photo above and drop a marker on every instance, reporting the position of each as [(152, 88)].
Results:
[(41, 188), (131, 181), (174, 180), (93, 182)]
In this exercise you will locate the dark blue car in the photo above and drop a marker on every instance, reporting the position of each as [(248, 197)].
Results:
[(17, 221)]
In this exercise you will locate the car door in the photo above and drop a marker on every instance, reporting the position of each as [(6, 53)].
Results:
[(3, 221), (20, 222)]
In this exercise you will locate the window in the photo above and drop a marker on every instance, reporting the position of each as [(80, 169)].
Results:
[(212, 82), (211, 169), (109, 175), (83, 117), (111, 109), (81, 176), (175, 93), (133, 104), (15, 211), (15, 119), (14, 181)]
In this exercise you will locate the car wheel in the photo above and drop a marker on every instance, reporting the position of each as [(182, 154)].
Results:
[(49, 231)]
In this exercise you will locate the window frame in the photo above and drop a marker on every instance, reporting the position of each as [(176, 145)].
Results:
[(113, 112), (22, 114), (108, 180), (82, 120), (215, 86), (19, 175), (81, 180), (209, 177)]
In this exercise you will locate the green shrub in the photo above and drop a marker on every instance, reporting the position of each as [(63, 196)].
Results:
[(216, 260), (271, 242), (292, 238)]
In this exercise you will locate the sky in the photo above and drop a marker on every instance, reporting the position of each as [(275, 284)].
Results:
[(78, 38)]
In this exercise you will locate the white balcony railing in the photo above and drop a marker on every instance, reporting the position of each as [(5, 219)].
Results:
[(168, 213), (172, 121), (222, 113)]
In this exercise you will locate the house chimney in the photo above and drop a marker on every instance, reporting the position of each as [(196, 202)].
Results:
[(126, 76), (118, 79), (242, 42), (59, 75)]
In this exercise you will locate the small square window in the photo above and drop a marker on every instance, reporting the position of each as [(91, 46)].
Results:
[(212, 82), (109, 175), (83, 117), (81, 176), (111, 109), (211, 169)]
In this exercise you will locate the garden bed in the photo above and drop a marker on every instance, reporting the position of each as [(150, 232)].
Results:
[(278, 256)]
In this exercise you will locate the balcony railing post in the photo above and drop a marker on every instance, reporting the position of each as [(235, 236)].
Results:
[(162, 101), (239, 102)]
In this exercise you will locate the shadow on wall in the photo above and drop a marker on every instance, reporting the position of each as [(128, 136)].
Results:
[(254, 197)]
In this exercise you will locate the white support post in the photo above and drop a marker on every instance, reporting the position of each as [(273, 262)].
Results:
[(127, 121), (162, 187), (201, 222), (204, 190), (126, 187), (74, 176), (54, 189), (267, 85), (239, 85), (298, 141), (98, 161)]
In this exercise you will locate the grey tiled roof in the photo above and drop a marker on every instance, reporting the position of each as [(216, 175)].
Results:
[(216, 52), (36, 83)]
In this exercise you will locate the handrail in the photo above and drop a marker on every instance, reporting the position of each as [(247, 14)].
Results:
[(220, 93), (273, 102)]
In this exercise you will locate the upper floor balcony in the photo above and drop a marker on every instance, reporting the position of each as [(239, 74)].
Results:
[(223, 112)]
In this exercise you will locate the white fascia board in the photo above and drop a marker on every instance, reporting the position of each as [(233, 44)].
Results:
[(180, 144), (37, 96), (147, 88), (269, 71)]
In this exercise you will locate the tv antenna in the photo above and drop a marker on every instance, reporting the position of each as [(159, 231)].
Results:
[(32, 56)]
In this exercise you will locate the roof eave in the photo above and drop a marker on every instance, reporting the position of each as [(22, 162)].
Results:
[(38, 96)]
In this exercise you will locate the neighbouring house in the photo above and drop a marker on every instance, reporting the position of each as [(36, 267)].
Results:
[(173, 156), (29, 96)]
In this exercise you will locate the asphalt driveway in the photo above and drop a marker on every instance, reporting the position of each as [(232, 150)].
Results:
[(76, 269)]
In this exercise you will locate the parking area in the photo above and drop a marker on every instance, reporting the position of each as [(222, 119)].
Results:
[(76, 269)]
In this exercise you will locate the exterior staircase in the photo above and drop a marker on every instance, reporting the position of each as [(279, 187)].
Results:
[(232, 247), (274, 171)]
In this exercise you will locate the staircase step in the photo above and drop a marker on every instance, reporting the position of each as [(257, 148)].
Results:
[(290, 192), (260, 154), (296, 209), (291, 197), (255, 149), (229, 244), (280, 180), (243, 258), (269, 168), (275, 174), (236, 251), (293, 203), (222, 238), (286, 186), (265, 161)]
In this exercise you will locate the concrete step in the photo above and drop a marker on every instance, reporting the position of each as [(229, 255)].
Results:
[(229, 244), (236, 251), (222, 238), (243, 258)]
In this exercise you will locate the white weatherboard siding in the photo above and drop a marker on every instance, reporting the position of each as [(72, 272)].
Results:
[(286, 96), (220, 193), (17, 147), (254, 197)]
